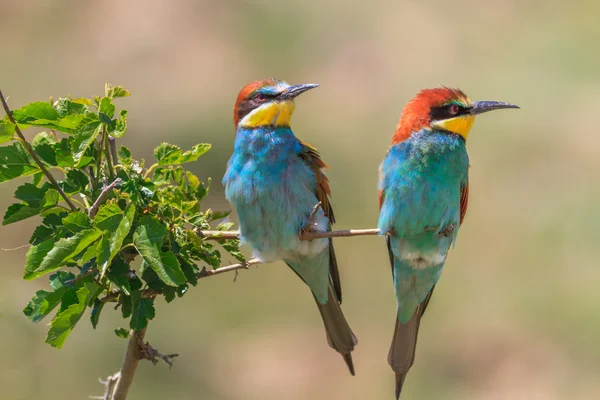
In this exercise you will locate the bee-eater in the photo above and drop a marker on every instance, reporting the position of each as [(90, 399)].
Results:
[(423, 194), (274, 180)]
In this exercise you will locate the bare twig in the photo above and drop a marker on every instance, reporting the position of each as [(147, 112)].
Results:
[(34, 155), (107, 188), (234, 267), (223, 235), (132, 355), (89, 272), (150, 353)]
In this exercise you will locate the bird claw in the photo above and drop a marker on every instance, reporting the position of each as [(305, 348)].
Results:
[(311, 220)]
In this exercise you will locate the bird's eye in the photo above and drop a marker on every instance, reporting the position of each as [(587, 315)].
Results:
[(453, 109), (260, 97)]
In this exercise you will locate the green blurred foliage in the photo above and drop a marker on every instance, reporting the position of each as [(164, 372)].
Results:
[(516, 312)]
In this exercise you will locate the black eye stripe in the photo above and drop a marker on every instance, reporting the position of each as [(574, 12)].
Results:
[(445, 112)]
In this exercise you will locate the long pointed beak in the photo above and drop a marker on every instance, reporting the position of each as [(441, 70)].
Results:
[(480, 107), (296, 90)]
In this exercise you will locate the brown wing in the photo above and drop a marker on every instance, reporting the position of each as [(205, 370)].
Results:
[(311, 157), (464, 201)]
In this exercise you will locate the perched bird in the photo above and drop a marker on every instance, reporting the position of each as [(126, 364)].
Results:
[(275, 181), (423, 194)]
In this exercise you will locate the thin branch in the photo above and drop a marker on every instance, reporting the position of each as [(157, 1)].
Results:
[(112, 145), (34, 155), (132, 355), (234, 267), (109, 159), (89, 272), (102, 196), (223, 235)]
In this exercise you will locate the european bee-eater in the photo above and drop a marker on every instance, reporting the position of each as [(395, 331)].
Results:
[(423, 194), (274, 180)]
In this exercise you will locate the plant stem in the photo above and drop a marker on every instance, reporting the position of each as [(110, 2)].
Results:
[(99, 161), (128, 367), (34, 156), (109, 159)]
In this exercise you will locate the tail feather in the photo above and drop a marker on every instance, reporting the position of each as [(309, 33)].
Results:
[(401, 356), (339, 335)]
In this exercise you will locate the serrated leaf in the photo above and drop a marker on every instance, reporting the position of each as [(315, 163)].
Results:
[(84, 136), (190, 270), (161, 176), (115, 91), (61, 251), (66, 107), (148, 239), (118, 126), (142, 312), (170, 154), (15, 162), (35, 111), (75, 182), (68, 124), (108, 217), (77, 221), (37, 200), (44, 302), (41, 233), (64, 322), (107, 107), (122, 333)]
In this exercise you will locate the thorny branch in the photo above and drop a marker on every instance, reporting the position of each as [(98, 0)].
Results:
[(34, 155), (310, 235)]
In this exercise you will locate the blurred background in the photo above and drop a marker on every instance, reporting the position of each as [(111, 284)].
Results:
[(517, 312)]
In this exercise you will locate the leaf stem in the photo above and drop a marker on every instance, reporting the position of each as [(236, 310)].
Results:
[(34, 155)]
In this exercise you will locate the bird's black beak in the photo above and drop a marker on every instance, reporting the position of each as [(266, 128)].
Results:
[(480, 107), (296, 90)]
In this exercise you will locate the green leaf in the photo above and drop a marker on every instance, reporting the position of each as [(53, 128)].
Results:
[(35, 111), (37, 179), (95, 315), (41, 233), (75, 182), (68, 124), (61, 251), (84, 136), (124, 153), (169, 154), (122, 333), (161, 176), (116, 225), (66, 107), (37, 200), (190, 270), (64, 322), (115, 91), (118, 126), (148, 239), (44, 302), (7, 131), (77, 221), (108, 217), (118, 274), (107, 108), (15, 162), (142, 311)]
